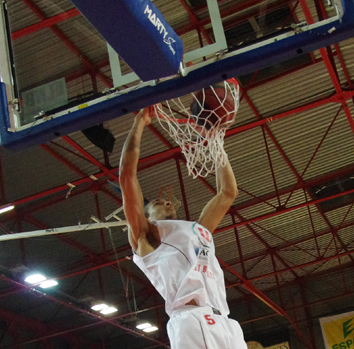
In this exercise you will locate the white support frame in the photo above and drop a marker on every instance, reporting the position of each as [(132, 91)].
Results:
[(219, 35), (6, 73), (120, 80), (220, 45), (69, 229)]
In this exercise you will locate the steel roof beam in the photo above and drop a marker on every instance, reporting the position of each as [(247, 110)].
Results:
[(318, 275), (285, 210), (85, 61), (258, 255), (64, 161), (194, 21), (329, 66), (276, 248), (248, 286), (88, 156), (164, 156), (195, 25), (253, 232), (316, 181), (45, 23), (85, 312), (299, 177), (321, 179), (40, 328), (80, 247), (225, 13), (322, 300), (304, 265)]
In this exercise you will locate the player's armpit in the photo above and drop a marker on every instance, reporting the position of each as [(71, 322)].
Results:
[(215, 210), (147, 243)]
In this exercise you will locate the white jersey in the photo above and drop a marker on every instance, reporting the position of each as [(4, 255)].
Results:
[(184, 267)]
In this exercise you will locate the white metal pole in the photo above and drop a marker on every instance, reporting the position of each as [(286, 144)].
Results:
[(53, 231)]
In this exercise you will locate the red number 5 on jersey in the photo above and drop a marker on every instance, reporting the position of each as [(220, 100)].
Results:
[(209, 320)]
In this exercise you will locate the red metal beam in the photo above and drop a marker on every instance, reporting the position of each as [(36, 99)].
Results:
[(167, 155), (316, 151), (62, 333), (94, 257), (285, 210), (34, 221), (85, 61), (194, 21), (86, 313), (144, 163), (276, 248), (39, 328), (45, 23), (313, 182), (300, 266), (66, 162), (162, 305), (225, 13), (329, 66), (248, 286), (88, 156)]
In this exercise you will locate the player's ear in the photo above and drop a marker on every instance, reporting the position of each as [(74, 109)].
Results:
[(146, 210)]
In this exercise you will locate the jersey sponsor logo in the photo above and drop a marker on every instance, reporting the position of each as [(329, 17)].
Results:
[(204, 269), (203, 234), (203, 254), (160, 28)]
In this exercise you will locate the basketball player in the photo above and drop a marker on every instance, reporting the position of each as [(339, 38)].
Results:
[(178, 257)]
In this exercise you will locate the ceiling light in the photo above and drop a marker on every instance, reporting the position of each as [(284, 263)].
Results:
[(35, 278), (99, 306), (6, 208), (108, 310), (143, 326), (150, 329), (48, 283)]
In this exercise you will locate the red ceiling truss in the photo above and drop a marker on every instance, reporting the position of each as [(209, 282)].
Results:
[(91, 261)]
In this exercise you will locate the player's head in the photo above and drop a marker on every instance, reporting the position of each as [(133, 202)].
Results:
[(160, 209)]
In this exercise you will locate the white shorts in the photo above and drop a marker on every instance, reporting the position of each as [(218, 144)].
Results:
[(199, 328)]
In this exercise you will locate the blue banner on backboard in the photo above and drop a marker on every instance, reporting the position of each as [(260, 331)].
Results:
[(138, 32)]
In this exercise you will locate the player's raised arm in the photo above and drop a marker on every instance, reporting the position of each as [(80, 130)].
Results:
[(132, 195), (227, 192)]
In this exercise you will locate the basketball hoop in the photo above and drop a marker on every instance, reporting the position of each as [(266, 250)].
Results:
[(166, 193), (199, 129)]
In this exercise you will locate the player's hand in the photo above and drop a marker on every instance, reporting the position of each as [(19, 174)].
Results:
[(147, 114)]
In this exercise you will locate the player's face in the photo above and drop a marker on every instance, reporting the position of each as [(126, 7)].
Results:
[(161, 209)]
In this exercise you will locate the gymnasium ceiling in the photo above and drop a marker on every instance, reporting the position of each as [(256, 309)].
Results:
[(287, 243)]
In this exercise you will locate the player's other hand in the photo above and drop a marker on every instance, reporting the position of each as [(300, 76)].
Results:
[(147, 114)]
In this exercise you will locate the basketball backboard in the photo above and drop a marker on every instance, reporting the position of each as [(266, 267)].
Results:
[(269, 37)]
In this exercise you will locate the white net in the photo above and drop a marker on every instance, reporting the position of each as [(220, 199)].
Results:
[(199, 128)]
